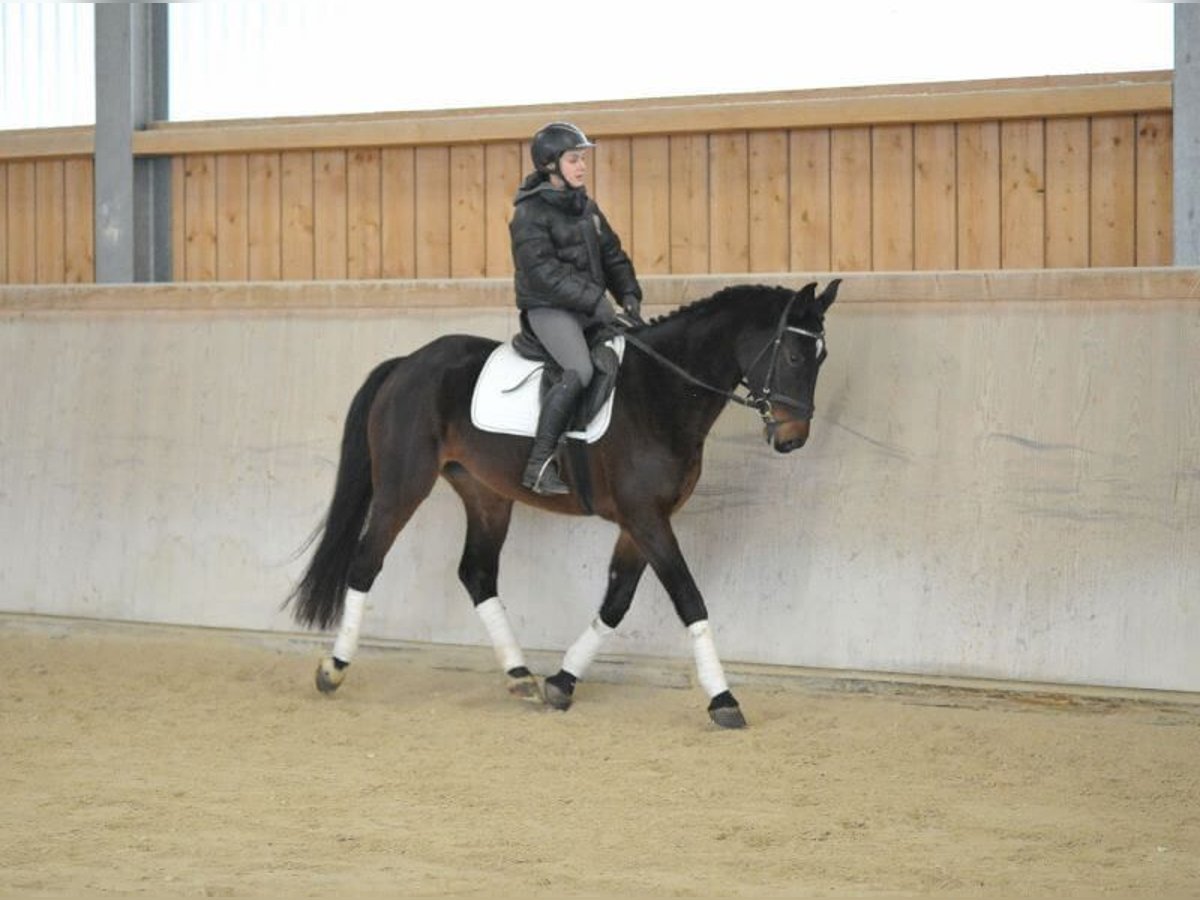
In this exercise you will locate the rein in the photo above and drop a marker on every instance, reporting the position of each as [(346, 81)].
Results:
[(760, 401), (748, 401)]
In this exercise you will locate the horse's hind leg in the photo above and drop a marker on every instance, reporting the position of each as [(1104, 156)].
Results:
[(488, 516), (624, 572), (402, 483)]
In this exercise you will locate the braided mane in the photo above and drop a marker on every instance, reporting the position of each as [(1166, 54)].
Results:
[(760, 298)]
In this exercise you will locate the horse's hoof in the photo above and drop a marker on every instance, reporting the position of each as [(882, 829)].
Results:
[(724, 711), (559, 690), (557, 698), (728, 717), (525, 687), (330, 675)]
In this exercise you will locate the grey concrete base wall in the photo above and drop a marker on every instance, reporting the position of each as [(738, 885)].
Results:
[(1003, 478)]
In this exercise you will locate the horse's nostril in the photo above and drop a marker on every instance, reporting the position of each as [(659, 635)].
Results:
[(794, 444)]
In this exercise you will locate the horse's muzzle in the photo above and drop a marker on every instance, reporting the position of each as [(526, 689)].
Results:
[(789, 435)]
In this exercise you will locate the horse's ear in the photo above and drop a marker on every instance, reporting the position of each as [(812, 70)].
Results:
[(828, 295), (807, 293)]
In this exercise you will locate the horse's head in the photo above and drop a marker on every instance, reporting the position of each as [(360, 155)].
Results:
[(781, 373)]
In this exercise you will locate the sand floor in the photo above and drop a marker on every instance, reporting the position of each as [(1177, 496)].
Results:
[(175, 762)]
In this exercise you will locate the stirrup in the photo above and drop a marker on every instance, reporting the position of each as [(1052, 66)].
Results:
[(547, 483)]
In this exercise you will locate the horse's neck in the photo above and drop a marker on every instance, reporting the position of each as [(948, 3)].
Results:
[(705, 350), (703, 346)]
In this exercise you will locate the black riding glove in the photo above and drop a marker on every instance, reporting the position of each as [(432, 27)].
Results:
[(604, 312), (633, 306)]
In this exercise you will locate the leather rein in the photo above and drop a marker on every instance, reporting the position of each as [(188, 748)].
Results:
[(761, 401)]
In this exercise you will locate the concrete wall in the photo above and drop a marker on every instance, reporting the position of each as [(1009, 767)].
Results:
[(1003, 478)]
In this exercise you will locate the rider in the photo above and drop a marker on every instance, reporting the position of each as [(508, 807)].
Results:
[(566, 257)]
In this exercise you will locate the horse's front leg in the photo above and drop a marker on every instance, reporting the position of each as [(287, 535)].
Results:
[(624, 572), (656, 539)]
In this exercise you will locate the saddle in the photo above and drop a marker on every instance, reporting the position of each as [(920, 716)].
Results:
[(515, 377), (605, 363)]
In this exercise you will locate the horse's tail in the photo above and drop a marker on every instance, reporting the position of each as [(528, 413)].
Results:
[(318, 598)]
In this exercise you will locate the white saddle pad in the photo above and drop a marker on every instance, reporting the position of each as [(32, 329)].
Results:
[(506, 395)]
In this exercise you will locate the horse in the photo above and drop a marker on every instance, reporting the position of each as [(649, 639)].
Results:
[(410, 423)]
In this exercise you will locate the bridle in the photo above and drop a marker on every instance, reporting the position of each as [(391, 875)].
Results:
[(763, 399)]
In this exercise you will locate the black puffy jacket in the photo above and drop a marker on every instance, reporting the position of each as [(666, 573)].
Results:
[(565, 255)]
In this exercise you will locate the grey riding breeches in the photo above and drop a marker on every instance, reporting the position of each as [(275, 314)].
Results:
[(561, 333)]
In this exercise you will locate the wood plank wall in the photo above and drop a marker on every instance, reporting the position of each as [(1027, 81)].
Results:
[(1006, 191), (1031, 193), (46, 221)]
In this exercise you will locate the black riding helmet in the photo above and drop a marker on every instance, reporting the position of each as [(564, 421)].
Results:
[(553, 141)]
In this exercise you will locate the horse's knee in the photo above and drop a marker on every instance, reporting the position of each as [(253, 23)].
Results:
[(479, 582)]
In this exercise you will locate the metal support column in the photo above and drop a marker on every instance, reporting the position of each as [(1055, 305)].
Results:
[(132, 195), (1186, 149)]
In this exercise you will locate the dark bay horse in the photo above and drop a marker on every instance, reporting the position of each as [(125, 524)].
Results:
[(410, 423)]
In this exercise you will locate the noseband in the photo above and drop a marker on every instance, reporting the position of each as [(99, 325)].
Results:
[(761, 400)]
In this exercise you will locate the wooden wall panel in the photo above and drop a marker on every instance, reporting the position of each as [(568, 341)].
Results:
[(468, 235), (233, 231), (79, 219), (1068, 193), (854, 185), (649, 241), (50, 225), (809, 201), (22, 223), (200, 217), (935, 196), (729, 219), (892, 198), (850, 199), (613, 180), (264, 219), (770, 193), (502, 168), (1154, 190), (399, 222), (296, 197), (364, 198), (979, 195), (330, 224), (689, 204), (433, 212), (1023, 194), (1113, 180)]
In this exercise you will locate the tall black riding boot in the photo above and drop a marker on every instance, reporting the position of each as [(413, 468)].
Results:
[(541, 472)]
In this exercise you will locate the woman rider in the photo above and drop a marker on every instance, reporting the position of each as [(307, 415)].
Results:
[(566, 257)]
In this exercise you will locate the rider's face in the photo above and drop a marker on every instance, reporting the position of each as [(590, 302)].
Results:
[(572, 166)]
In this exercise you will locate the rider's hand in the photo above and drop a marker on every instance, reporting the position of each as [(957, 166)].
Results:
[(604, 312), (633, 306)]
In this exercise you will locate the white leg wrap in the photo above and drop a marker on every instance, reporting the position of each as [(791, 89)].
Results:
[(708, 666), (581, 653), (352, 613), (495, 620)]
